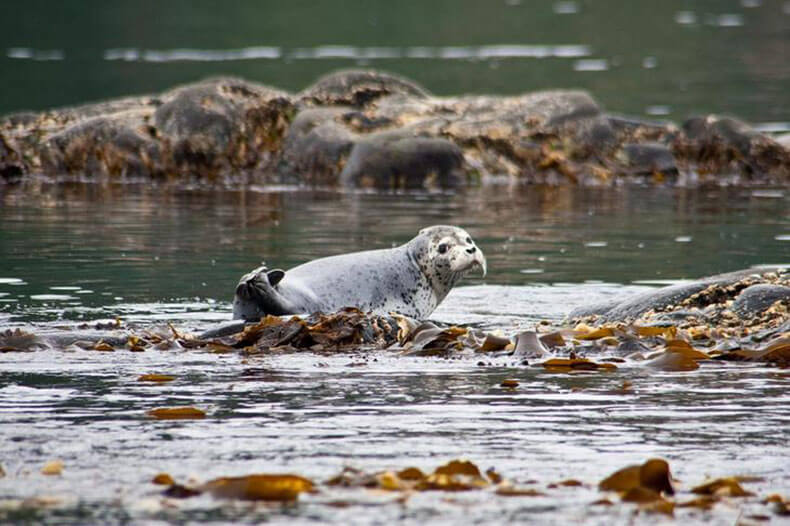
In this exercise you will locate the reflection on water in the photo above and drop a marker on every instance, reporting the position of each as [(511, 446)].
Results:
[(153, 255)]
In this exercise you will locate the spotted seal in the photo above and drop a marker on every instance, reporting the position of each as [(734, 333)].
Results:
[(411, 279)]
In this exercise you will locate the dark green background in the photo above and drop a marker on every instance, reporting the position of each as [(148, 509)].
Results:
[(702, 67)]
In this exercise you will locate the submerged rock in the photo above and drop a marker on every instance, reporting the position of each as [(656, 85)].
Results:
[(369, 128)]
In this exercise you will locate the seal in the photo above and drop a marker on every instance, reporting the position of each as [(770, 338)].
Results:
[(411, 279)]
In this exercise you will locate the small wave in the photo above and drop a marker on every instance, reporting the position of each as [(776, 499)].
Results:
[(591, 64), (566, 8), (658, 109), (685, 18), (724, 20), (52, 297), (195, 55), (330, 52), (26, 53)]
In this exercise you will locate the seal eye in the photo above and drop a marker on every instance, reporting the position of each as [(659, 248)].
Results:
[(469, 240), (442, 248)]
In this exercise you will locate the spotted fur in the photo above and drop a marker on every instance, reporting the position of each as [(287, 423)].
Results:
[(411, 279)]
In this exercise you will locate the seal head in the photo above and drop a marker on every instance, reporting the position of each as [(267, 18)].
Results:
[(445, 254)]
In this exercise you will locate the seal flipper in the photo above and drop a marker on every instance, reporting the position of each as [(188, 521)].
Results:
[(257, 295), (275, 276)]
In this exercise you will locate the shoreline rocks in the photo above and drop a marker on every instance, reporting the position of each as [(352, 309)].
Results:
[(363, 128)]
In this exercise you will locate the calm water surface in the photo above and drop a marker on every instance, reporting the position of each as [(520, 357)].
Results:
[(86, 252)]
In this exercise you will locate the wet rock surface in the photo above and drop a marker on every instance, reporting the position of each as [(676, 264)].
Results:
[(371, 129), (750, 300)]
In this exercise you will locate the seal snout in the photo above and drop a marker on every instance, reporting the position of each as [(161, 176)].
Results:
[(477, 255), (480, 259)]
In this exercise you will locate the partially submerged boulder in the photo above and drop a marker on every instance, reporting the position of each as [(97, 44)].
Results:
[(755, 299), (316, 147), (751, 297), (716, 144), (402, 160), (647, 159)]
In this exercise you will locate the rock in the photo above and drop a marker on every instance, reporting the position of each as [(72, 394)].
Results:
[(358, 88), (724, 144), (222, 123), (316, 147), (647, 158), (696, 294), (401, 160), (117, 145), (103, 109), (11, 165), (755, 299), (531, 136), (369, 128), (22, 118), (224, 329)]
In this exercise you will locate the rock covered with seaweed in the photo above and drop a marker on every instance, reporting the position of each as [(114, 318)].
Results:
[(365, 128)]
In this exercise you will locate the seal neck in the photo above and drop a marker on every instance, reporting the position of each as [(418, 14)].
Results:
[(440, 283)]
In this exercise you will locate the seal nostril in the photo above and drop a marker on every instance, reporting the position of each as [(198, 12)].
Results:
[(471, 250)]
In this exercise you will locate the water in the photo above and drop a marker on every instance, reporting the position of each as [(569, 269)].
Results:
[(113, 247), (150, 255), (633, 57), (314, 414)]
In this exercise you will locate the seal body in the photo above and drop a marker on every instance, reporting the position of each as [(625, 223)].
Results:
[(411, 279)]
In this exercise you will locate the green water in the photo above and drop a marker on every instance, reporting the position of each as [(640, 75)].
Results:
[(660, 59), (94, 244)]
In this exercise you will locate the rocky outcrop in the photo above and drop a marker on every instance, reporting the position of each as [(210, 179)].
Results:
[(746, 298), (370, 129), (207, 129)]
